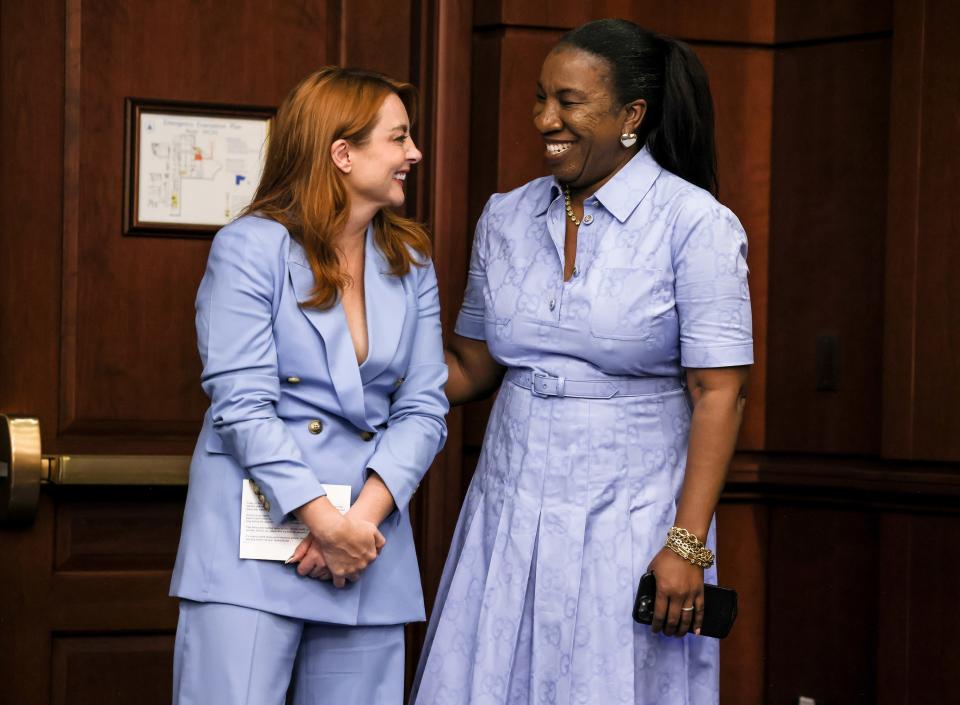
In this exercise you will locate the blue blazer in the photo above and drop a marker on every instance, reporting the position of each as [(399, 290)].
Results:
[(273, 370)]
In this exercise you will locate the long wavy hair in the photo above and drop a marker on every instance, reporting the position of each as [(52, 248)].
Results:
[(303, 190)]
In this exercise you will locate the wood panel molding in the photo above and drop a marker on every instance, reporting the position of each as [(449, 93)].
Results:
[(900, 302), (96, 534), (82, 664), (838, 480), (758, 22), (921, 369)]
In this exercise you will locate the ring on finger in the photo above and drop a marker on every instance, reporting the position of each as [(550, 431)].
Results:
[(688, 609)]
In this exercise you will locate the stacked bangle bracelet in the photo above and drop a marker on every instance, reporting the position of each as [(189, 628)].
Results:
[(689, 547)]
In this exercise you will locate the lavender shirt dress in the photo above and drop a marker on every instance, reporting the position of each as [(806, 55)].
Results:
[(585, 449)]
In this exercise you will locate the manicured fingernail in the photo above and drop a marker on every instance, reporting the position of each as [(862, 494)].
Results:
[(288, 561), (697, 631)]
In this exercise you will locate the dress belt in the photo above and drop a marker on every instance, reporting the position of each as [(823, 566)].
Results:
[(543, 385)]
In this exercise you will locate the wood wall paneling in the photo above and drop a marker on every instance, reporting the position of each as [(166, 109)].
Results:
[(937, 312), (95, 534), (812, 20), (893, 630), (31, 179), (24, 611), (921, 304), (740, 21), (555, 14), (933, 621), (917, 649), (376, 36), (82, 665), (826, 245), (903, 217), (822, 605), (129, 353), (742, 565)]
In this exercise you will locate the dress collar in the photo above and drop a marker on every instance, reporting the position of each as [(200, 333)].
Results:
[(622, 193)]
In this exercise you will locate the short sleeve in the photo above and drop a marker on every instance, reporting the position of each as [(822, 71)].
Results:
[(470, 322), (712, 295)]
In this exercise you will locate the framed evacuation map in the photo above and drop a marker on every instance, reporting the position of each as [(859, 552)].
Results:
[(190, 168)]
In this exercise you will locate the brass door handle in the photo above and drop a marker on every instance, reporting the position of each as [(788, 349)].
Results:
[(23, 468)]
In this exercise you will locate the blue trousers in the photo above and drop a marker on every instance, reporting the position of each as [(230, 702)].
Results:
[(230, 655)]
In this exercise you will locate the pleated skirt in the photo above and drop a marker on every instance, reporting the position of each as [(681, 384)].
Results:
[(571, 500)]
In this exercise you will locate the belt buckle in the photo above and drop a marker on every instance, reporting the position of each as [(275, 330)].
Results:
[(543, 390), (536, 388)]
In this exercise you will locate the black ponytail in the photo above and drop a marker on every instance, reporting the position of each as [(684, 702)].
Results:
[(678, 125)]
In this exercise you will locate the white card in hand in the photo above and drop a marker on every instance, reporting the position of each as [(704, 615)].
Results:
[(263, 540)]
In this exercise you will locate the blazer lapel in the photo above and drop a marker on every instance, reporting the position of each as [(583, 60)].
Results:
[(332, 327), (386, 304)]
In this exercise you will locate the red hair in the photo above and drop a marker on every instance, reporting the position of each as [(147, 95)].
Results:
[(302, 189)]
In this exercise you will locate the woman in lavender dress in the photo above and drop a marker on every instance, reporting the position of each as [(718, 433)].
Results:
[(611, 299)]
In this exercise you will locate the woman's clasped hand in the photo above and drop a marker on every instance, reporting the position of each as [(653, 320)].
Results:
[(339, 546)]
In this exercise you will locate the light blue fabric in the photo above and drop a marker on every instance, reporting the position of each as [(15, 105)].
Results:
[(253, 338), (229, 655), (572, 498)]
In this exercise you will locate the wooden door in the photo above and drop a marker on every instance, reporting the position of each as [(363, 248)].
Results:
[(96, 327)]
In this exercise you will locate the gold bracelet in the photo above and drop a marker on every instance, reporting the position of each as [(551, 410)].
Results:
[(689, 547)]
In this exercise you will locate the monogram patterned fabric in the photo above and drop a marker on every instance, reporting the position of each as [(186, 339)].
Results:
[(572, 498)]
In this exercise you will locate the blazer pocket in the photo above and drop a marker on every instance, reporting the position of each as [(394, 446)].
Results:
[(214, 444)]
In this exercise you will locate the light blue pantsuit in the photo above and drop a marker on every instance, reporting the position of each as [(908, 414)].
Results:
[(291, 409), (229, 655)]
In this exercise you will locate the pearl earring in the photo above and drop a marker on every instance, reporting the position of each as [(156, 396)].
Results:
[(628, 139)]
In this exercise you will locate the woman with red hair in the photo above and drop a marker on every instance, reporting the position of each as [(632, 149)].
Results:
[(318, 326)]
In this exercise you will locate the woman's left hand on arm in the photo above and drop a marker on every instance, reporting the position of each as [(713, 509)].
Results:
[(375, 503), (718, 397)]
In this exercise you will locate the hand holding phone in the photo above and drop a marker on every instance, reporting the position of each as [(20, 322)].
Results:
[(719, 606)]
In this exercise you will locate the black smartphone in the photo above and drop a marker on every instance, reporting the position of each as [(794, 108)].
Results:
[(719, 606)]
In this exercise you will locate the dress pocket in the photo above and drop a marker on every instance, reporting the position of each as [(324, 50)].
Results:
[(628, 301)]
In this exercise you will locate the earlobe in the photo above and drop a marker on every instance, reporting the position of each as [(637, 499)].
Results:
[(340, 153)]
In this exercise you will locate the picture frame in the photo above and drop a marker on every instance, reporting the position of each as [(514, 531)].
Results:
[(190, 168)]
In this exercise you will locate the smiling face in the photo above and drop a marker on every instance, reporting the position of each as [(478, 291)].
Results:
[(580, 120), (377, 168)]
